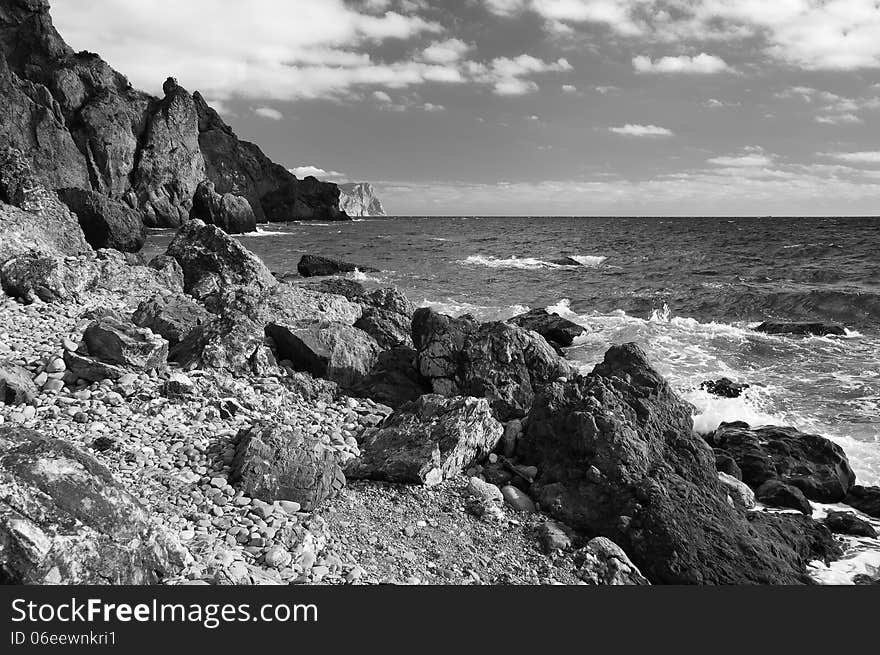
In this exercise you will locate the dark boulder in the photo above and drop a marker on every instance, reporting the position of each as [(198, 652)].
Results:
[(724, 388), (65, 520), (864, 499), (232, 214), (394, 380), (112, 347), (16, 384), (335, 351), (172, 316), (504, 363), (105, 222), (314, 265), (553, 328), (617, 457), (275, 463), (776, 493), (850, 524), (802, 328), (813, 464), (428, 441)]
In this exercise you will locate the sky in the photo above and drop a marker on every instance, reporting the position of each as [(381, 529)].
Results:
[(531, 107)]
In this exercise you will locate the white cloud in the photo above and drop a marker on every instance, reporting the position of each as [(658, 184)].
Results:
[(753, 156), (431, 107), (714, 103), (315, 171), (863, 157), (641, 130), (508, 74), (268, 112), (839, 119), (445, 52), (381, 96), (569, 88), (220, 107), (700, 64)]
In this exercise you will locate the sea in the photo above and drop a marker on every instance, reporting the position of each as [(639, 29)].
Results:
[(688, 290)]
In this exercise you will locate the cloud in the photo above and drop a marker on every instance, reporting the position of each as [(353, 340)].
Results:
[(714, 103), (700, 64), (839, 119), (863, 157), (220, 107), (508, 74), (753, 156), (833, 109), (641, 130), (268, 112), (315, 171), (445, 52), (569, 88)]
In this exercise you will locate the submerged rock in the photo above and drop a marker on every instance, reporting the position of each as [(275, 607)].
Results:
[(64, 520), (724, 388), (105, 222), (801, 328), (428, 441), (315, 265), (553, 328)]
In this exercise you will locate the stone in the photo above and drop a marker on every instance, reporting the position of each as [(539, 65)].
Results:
[(517, 499), (602, 562), (512, 431), (48, 278), (776, 493), (178, 385), (105, 222), (64, 520), (738, 490), (173, 316), (279, 463), (617, 457), (864, 499), (314, 265), (16, 385), (112, 341), (815, 465), (801, 328), (277, 557), (850, 524), (428, 441), (394, 379), (555, 536), (91, 369), (231, 213), (555, 329), (484, 491), (724, 388)]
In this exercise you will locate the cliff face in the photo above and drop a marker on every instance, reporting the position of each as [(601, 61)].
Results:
[(81, 124), (359, 199)]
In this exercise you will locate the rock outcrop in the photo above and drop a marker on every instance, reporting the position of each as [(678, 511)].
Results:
[(428, 441), (232, 214), (105, 222), (64, 520), (555, 329), (617, 457), (801, 328), (864, 499), (359, 199)]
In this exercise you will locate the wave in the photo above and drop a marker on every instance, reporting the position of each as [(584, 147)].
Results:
[(533, 263), (262, 233), (359, 276), (481, 312)]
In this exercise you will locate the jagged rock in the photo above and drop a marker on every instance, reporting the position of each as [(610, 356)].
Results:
[(555, 329), (169, 267), (275, 463), (617, 457), (273, 192), (178, 385), (428, 441), (315, 265), (173, 316), (105, 223), (117, 274), (776, 493), (213, 262), (334, 351), (813, 464), (16, 385), (64, 520), (359, 199), (804, 328), (724, 387), (849, 523), (232, 342), (232, 214), (50, 279), (501, 362), (122, 344), (738, 490), (603, 562), (394, 379), (91, 369), (864, 499)]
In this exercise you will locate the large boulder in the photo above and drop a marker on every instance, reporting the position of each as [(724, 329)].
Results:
[(171, 315), (275, 463), (16, 384), (394, 380), (315, 265), (64, 520), (105, 222), (232, 214), (864, 499), (334, 351), (49, 278), (214, 263), (801, 328), (849, 523), (504, 363), (815, 465), (112, 347), (617, 457), (555, 329), (428, 441)]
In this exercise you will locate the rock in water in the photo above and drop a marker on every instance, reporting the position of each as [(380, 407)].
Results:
[(172, 316), (553, 328), (64, 520), (214, 264), (16, 385), (849, 523), (815, 465), (603, 562), (335, 351), (864, 499), (275, 463), (428, 441), (314, 265), (805, 328), (724, 388), (359, 199), (105, 223), (232, 214), (617, 457), (504, 363)]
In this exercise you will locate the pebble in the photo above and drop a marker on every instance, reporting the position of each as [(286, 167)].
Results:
[(517, 499)]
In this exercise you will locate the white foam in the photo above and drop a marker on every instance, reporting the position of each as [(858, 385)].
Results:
[(590, 261), (533, 263), (359, 276), (481, 312), (262, 233)]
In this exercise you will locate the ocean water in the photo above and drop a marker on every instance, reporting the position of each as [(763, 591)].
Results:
[(689, 290)]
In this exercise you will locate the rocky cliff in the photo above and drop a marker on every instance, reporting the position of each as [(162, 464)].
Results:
[(359, 199), (81, 124)]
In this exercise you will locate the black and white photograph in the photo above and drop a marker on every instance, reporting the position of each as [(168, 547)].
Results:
[(460, 293)]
